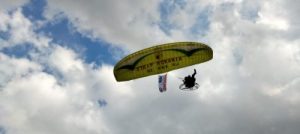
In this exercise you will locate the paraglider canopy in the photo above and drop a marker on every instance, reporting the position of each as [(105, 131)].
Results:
[(160, 59)]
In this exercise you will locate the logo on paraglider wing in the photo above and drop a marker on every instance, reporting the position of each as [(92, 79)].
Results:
[(189, 53), (132, 66), (158, 55)]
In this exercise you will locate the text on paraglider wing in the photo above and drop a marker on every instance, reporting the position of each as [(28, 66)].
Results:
[(161, 64)]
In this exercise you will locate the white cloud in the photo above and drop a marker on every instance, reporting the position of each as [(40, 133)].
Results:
[(33, 101), (20, 30), (64, 61), (128, 23), (13, 68), (273, 16), (4, 21), (37, 104)]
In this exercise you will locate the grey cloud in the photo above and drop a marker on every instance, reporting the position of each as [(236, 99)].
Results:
[(7, 5)]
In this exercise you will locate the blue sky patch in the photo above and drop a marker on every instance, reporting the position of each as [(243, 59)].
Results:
[(34, 9), (2, 130), (18, 51), (166, 9), (64, 33), (94, 51), (4, 35), (249, 13), (102, 103), (238, 57), (202, 24), (227, 6)]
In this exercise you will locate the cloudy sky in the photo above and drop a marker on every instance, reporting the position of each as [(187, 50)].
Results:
[(57, 59)]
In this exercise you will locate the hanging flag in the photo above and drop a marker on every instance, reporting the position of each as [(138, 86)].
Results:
[(162, 81)]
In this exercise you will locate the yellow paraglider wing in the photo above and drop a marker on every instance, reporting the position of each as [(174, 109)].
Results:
[(161, 59)]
